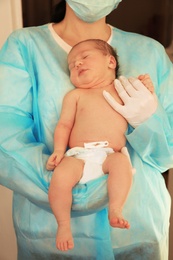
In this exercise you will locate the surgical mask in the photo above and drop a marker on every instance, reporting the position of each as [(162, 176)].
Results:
[(92, 10)]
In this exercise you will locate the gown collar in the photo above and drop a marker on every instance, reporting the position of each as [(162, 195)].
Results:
[(66, 47)]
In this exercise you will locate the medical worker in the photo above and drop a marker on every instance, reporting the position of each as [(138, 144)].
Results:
[(34, 78)]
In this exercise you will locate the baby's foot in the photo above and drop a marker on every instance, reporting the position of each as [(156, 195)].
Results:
[(64, 238), (116, 220)]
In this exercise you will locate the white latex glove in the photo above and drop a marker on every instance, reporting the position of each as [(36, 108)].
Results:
[(139, 102)]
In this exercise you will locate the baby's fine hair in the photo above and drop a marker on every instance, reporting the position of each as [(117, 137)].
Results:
[(105, 48)]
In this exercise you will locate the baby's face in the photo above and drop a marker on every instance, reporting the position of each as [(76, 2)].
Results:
[(87, 65)]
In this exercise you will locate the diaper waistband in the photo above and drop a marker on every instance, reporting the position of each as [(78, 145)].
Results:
[(90, 149), (96, 144)]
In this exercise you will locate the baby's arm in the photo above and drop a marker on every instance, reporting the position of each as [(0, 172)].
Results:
[(63, 130), (146, 80)]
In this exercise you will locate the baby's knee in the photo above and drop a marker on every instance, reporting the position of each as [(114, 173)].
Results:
[(118, 157), (115, 160)]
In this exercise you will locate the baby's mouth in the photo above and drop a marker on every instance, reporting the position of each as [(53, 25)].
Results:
[(81, 71)]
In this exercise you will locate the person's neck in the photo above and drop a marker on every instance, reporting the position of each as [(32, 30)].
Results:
[(73, 30)]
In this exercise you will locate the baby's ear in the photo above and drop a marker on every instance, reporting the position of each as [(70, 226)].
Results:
[(112, 62)]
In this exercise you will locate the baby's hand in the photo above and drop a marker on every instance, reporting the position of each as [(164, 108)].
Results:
[(50, 165), (54, 160), (146, 80)]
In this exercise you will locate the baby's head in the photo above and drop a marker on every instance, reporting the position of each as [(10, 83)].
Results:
[(91, 58)]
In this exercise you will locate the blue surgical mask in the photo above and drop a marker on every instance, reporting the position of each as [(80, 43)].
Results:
[(92, 10)]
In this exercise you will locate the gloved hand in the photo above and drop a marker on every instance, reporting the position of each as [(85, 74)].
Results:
[(139, 102)]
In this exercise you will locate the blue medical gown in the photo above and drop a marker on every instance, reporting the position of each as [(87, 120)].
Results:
[(34, 78)]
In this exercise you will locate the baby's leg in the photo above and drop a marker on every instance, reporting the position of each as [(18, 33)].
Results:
[(119, 169), (146, 80), (65, 177)]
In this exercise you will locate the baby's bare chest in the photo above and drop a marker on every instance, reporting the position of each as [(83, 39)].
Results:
[(94, 105)]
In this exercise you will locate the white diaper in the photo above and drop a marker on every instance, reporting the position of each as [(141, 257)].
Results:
[(93, 154)]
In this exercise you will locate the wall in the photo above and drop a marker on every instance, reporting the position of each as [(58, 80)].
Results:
[(8, 248), (11, 19)]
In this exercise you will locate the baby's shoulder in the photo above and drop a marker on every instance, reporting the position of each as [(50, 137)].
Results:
[(72, 94)]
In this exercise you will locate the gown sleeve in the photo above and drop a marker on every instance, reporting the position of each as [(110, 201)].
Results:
[(153, 140), (22, 156)]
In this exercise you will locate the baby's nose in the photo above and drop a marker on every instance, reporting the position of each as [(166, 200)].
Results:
[(78, 63)]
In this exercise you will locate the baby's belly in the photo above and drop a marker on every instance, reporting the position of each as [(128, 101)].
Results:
[(115, 139)]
